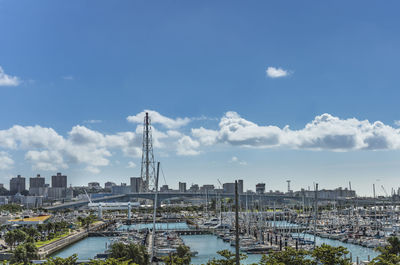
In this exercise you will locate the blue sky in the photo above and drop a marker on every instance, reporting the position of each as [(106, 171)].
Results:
[(66, 64)]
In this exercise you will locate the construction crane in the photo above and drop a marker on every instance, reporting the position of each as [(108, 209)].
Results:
[(220, 183), (383, 188)]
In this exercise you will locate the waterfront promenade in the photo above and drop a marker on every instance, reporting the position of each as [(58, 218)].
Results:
[(46, 250)]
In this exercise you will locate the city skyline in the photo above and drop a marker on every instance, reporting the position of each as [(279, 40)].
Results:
[(257, 92)]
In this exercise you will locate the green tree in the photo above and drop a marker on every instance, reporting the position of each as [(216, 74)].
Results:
[(137, 254), (181, 257), (118, 250), (110, 261), (31, 231), (20, 236), (133, 252), (12, 208), (228, 258), (329, 255), (393, 247), (62, 261), (389, 254), (19, 255), (289, 256), (386, 259), (10, 239), (24, 253), (31, 251)]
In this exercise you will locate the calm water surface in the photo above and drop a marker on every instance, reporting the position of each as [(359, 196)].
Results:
[(356, 250), (208, 245), (86, 248), (205, 245)]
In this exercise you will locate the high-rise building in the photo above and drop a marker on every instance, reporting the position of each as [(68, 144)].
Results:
[(194, 188), (58, 188), (207, 188), (136, 184), (37, 182), (164, 188), (230, 187), (108, 185), (17, 185), (59, 181), (94, 185), (240, 186), (123, 189), (182, 186), (37, 186), (260, 188)]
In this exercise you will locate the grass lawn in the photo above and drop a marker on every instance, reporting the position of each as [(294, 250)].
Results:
[(42, 243)]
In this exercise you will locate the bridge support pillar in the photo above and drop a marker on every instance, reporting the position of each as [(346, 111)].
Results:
[(129, 212), (100, 212)]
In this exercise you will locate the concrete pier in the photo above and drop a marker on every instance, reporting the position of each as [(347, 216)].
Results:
[(46, 250)]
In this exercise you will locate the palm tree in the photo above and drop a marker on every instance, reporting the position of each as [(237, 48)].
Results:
[(49, 227), (10, 239), (394, 247)]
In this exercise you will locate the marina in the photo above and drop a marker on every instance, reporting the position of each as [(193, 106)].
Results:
[(204, 247)]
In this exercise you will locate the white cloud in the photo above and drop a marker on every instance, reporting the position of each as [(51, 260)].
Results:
[(92, 169), (5, 161), (68, 77), (397, 122), (93, 121), (47, 150), (206, 136), (187, 146), (235, 159), (158, 118), (131, 164), (325, 132), (276, 72), (30, 137), (46, 160), (7, 80)]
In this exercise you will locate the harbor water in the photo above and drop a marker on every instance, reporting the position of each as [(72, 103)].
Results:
[(356, 251), (205, 245), (86, 248), (208, 245)]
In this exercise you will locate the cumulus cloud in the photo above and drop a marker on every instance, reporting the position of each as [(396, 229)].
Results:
[(93, 121), (187, 146), (46, 160), (206, 136), (8, 80), (236, 160), (131, 164), (47, 150), (93, 170), (30, 137), (325, 132), (160, 119), (5, 161), (274, 72)]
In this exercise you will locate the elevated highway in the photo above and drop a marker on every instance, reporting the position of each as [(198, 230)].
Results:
[(163, 196), (266, 199)]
